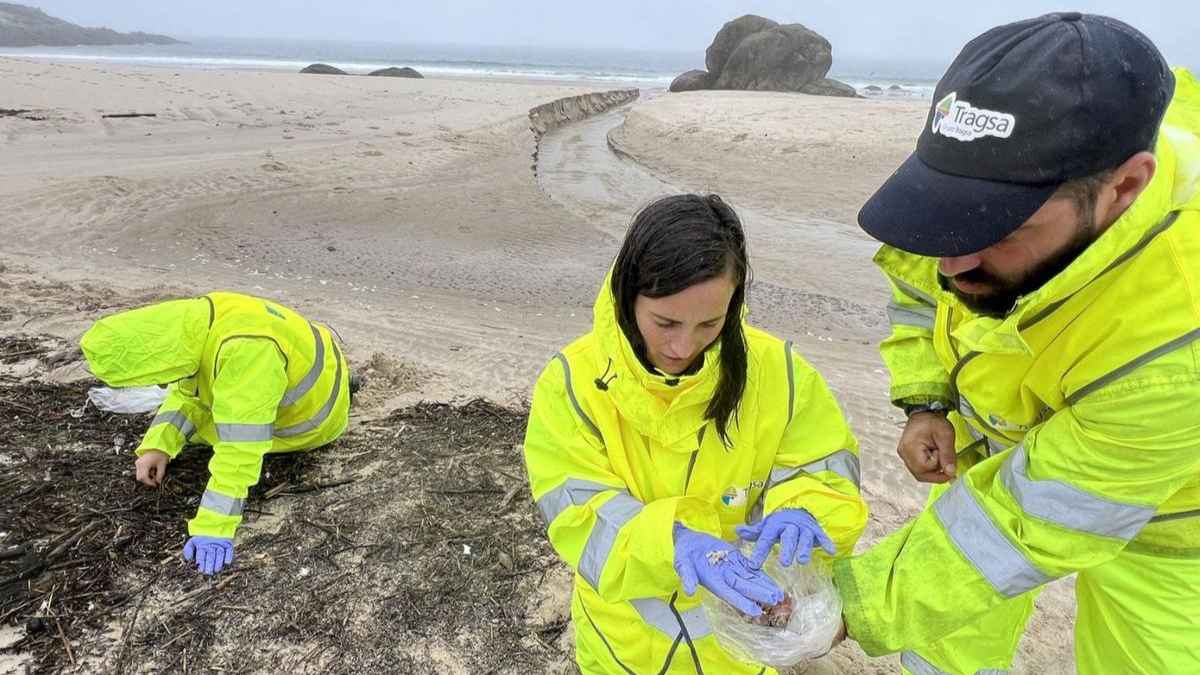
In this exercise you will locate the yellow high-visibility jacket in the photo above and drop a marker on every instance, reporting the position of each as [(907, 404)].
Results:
[(616, 455), (248, 376), (1077, 416)]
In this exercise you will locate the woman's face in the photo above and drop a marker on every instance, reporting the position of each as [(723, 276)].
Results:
[(678, 328)]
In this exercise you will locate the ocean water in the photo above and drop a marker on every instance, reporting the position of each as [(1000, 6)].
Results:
[(642, 68)]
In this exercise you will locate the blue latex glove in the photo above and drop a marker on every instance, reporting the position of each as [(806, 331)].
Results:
[(211, 554), (795, 530), (722, 569)]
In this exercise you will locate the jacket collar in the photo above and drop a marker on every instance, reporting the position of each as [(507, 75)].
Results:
[(632, 388)]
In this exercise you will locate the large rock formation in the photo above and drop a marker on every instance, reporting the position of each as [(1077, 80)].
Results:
[(730, 36), (828, 87), (322, 69), (22, 26), (692, 80), (396, 72), (756, 53), (783, 58)]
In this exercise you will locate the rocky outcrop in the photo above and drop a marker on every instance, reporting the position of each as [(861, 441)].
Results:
[(396, 72), (828, 87), (323, 69), (783, 58), (22, 26), (555, 114), (692, 80), (730, 36), (756, 53)]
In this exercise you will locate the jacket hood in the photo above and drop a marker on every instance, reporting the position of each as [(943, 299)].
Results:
[(151, 345)]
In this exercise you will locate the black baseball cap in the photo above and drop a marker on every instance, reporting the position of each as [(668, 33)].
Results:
[(1024, 108)]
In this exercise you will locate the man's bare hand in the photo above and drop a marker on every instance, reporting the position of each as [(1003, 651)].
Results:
[(152, 467), (927, 447)]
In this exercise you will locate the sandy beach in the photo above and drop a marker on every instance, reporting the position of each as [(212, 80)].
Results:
[(452, 251)]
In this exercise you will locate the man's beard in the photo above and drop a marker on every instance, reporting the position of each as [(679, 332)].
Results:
[(1000, 301)]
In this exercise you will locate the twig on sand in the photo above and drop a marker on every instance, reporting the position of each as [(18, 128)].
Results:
[(127, 638), (70, 540), (474, 491), (287, 488), (12, 552), (115, 115), (66, 645), (535, 570)]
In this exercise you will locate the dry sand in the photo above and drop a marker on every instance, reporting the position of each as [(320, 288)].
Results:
[(407, 214)]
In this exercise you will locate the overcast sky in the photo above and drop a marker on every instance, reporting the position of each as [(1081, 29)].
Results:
[(908, 29)]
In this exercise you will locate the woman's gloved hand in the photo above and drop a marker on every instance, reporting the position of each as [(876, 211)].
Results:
[(795, 530), (211, 554), (702, 559)]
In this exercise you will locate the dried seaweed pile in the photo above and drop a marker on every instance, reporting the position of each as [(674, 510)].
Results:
[(410, 545)]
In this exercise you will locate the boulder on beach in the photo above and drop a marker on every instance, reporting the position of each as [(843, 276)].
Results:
[(730, 36), (783, 58), (828, 87), (396, 72), (323, 69), (755, 53), (873, 89), (692, 80), (895, 87)]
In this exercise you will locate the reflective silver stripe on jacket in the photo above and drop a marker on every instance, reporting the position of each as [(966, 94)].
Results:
[(919, 317), (914, 292), (222, 504), (177, 419), (915, 664), (658, 614), (587, 421), (1067, 506), (319, 418), (244, 433), (982, 543), (573, 492), (610, 518), (843, 462), (310, 378), (791, 380)]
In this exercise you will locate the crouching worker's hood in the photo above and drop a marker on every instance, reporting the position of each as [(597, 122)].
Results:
[(152, 345)]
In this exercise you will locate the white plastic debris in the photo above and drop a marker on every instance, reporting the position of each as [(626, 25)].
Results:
[(815, 621), (127, 400)]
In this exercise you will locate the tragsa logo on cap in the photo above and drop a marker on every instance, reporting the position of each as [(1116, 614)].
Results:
[(962, 121), (734, 496)]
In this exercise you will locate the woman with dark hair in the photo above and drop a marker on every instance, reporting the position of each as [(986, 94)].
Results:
[(667, 429)]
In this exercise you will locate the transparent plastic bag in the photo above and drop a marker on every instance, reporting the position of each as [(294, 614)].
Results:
[(809, 633), (127, 400)]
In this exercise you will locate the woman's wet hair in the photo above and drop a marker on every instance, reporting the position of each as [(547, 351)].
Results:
[(673, 244)]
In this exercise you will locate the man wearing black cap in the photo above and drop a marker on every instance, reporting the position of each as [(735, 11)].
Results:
[(1043, 244)]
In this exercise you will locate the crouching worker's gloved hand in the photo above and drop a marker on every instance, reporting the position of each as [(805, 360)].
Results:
[(795, 530), (211, 554), (702, 559)]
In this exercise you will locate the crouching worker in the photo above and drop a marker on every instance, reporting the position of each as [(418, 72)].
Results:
[(247, 377), (672, 428)]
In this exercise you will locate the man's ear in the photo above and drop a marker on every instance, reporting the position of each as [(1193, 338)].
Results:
[(1123, 187)]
